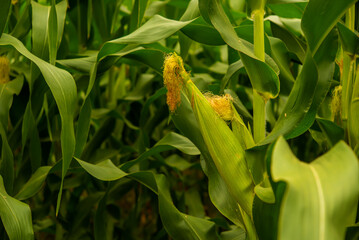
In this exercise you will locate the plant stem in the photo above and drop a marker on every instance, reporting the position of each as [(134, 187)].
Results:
[(259, 103), (347, 77)]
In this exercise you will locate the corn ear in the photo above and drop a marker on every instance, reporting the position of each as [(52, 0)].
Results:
[(226, 151)]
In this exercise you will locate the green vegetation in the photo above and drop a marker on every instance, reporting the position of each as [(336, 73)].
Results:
[(179, 119)]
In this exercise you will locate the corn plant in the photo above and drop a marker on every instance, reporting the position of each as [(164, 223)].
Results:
[(179, 119)]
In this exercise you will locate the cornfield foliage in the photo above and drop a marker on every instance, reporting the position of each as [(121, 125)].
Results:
[(179, 119)]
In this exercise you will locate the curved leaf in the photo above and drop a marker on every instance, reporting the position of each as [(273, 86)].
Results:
[(41, 29), (321, 198), (105, 170), (349, 39), (168, 142), (319, 18), (31, 187), (7, 158), (15, 215), (308, 92), (4, 13), (263, 77), (153, 30), (177, 224), (63, 88)]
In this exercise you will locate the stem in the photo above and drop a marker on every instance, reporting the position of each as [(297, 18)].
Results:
[(259, 103), (259, 117), (259, 34), (347, 77)]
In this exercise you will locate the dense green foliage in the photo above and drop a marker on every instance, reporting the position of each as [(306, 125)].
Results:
[(90, 150)]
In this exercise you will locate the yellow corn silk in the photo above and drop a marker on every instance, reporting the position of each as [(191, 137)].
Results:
[(173, 67), (221, 105), (223, 146), (4, 70)]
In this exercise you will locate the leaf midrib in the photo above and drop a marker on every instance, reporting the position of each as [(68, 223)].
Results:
[(321, 202), (11, 210)]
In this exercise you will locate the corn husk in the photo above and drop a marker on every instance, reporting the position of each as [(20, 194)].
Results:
[(241, 131)]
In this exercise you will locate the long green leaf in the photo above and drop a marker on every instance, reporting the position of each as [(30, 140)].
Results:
[(309, 90), (319, 18), (138, 11), (168, 142), (52, 36), (33, 185), (105, 170), (15, 215), (63, 88), (321, 198), (4, 13), (177, 224), (263, 77), (41, 30), (7, 158), (29, 131), (153, 30), (349, 39)]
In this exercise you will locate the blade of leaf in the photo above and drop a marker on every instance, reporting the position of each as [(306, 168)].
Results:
[(138, 11), (4, 13), (168, 142), (105, 170), (263, 77), (15, 215), (63, 88), (319, 18), (320, 200), (52, 33), (177, 224), (33, 185), (153, 30), (7, 158)]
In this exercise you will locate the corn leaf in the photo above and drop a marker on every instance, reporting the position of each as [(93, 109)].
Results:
[(15, 215), (63, 88), (7, 92), (263, 77), (138, 11), (177, 224), (319, 18), (321, 197), (309, 90), (168, 142), (349, 39), (4, 13), (33, 185)]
